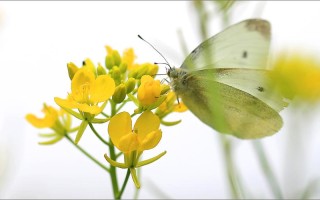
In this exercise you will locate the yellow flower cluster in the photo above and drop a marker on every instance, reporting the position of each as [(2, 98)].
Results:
[(297, 76), (117, 83)]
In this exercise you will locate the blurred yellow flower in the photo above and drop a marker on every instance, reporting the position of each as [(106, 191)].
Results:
[(144, 136), (57, 120), (128, 58), (297, 76), (87, 91), (149, 91), (169, 105), (48, 121)]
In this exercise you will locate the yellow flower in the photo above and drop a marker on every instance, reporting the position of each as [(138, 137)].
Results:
[(169, 105), (297, 76), (149, 91), (48, 121), (87, 91), (145, 134), (58, 121)]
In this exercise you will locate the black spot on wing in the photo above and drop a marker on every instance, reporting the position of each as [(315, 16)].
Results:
[(260, 89), (244, 54)]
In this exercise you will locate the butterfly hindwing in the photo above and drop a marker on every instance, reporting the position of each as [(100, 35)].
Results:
[(228, 109)]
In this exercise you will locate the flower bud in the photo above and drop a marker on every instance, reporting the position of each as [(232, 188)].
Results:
[(142, 70), (116, 74), (101, 70), (164, 89), (87, 63), (109, 62), (123, 67), (133, 73), (116, 57), (153, 69), (149, 91), (130, 84), (120, 93), (72, 69)]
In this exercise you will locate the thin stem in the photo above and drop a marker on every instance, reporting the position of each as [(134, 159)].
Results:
[(118, 155), (233, 181), (113, 173), (113, 156), (74, 129), (122, 104), (87, 154), (97, 134), (104, 114), (124, 184), (267, 170)]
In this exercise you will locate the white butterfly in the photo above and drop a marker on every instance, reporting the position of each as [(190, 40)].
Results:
[(225, 82)]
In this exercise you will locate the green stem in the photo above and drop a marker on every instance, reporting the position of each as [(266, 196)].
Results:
[(87, 154), (233, 180), (113, 156), (104, 114), (113, 172), (73, 129), (97, 134), (122, 104), (267, 170), (118, 155), (124, 184)]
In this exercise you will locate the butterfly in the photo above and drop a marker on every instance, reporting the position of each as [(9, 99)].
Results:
[(226, 84)]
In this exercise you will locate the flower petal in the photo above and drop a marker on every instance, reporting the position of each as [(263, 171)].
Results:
[(51, 116), (146, 123), (81, 84), (38, 122), (69, 103), (119, 126), (89, 109), (149, 90), (150, 140), (128, 143), (66, 103), (102, 88)]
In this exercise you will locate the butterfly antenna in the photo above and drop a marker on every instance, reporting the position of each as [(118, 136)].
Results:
[(167, 63)]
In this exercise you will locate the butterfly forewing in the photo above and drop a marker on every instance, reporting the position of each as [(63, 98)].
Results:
[(243, 45)]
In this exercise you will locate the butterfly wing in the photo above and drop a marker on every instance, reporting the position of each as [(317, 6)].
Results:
[(256, 82), (243, 45), (228, 109)]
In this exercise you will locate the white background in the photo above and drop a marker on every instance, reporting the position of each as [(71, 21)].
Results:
[(37, 39)]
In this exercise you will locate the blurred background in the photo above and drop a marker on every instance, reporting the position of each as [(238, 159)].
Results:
[(37, 39)]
